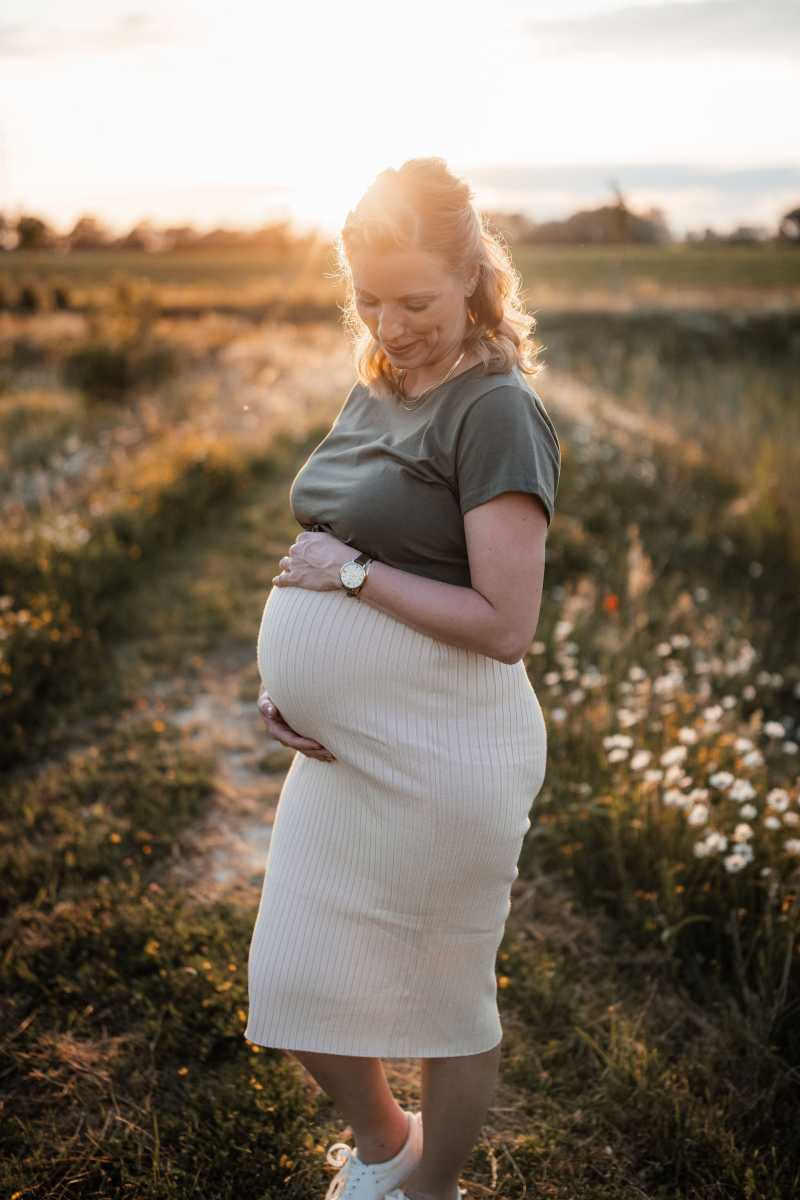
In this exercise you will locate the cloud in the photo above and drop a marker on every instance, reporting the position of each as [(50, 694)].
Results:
[(130, 31), (699, 29)]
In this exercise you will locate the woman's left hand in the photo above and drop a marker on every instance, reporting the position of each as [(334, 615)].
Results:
[(313, 562)]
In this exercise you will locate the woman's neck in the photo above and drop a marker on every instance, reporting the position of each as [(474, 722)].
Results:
[(415, 384)]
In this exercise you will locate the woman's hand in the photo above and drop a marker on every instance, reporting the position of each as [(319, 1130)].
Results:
[(313, 562), (285, 734)]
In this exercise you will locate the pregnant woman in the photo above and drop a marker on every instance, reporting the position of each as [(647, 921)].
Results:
[(391, 657)]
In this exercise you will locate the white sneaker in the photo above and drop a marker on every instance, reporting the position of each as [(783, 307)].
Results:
[(357, 1180)]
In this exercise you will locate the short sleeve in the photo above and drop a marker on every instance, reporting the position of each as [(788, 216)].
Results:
[(507, 442)]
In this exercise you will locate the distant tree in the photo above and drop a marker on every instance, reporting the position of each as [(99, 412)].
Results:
[(789, 227), (277, 235), (620, 215), (88, 234), (748, 235), (179, 236), (515, 227), (143, 236), (8, 234), (33, 234)]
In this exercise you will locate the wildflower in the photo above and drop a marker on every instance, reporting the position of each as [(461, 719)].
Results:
[(674, 774), (675, 754), (618, 739), (734, 862), (721, 779), (680, 640), (617, 754), (748, 811), (653, 775), (789, 747), (551, 678), (698, 814), (674, 798), (558, 714), (791, 818), (778, 798), (636, 673), (687, 734), (792, 845), (716, 842), (742, 832), (754, 759), (742, 789), (741, 744), (640, 759), (772, 822), (712, 713), (774, 729)]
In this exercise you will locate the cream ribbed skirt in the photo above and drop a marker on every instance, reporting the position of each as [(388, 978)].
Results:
[(388, 878)]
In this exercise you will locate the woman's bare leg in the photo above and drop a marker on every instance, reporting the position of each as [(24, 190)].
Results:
[(456, 1095), (359, 1089)]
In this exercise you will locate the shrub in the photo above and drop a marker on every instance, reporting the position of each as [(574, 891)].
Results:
[(105, 371)]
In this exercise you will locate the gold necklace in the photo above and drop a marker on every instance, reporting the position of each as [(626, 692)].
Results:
[(418, 399)]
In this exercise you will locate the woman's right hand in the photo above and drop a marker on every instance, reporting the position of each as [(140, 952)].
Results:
[(288, 736)]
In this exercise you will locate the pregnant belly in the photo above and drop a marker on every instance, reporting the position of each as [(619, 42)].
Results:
[(372, 688), (310, 659)]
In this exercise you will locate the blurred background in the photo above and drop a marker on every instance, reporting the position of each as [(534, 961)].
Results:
[(172, 177)]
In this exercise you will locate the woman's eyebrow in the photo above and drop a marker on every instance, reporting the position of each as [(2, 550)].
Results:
[(407, 296)]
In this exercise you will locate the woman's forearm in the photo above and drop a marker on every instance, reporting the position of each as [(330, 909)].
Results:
[(458, 615)]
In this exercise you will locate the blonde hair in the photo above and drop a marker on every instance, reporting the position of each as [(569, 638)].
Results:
[(424, 206)]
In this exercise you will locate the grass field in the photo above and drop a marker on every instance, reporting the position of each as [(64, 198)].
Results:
[(599, 277), (649, 979)]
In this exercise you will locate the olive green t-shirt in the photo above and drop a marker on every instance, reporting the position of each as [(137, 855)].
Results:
[(396, 484)]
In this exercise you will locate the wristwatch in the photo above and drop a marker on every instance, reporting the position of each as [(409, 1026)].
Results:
[(354, 572)]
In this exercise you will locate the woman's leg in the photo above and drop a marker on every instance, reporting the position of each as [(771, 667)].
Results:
[(456, 1095), (361, 1093)]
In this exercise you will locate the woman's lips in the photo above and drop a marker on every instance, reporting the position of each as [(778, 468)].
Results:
[(400, 349)]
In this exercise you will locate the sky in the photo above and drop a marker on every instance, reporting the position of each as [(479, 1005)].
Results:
[(248, 111)]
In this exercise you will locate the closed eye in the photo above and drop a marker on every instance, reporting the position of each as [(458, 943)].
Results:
[(410, 307)]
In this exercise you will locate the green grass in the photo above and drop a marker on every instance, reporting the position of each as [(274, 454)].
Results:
[(548, 271)]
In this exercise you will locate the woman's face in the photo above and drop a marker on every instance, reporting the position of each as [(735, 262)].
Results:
[(411, 304)]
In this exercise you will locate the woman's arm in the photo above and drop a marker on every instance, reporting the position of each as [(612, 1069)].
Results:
[(498, 614)]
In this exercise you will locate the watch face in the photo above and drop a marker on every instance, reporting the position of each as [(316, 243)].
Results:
[(352, 574)]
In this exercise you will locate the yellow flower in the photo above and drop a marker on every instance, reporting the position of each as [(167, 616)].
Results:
[(503, 981)]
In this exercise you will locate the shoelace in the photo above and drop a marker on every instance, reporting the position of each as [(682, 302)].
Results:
[(399, 1194), (343, 1156)]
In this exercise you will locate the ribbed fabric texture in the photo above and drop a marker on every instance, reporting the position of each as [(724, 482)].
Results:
[(388, 876)]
